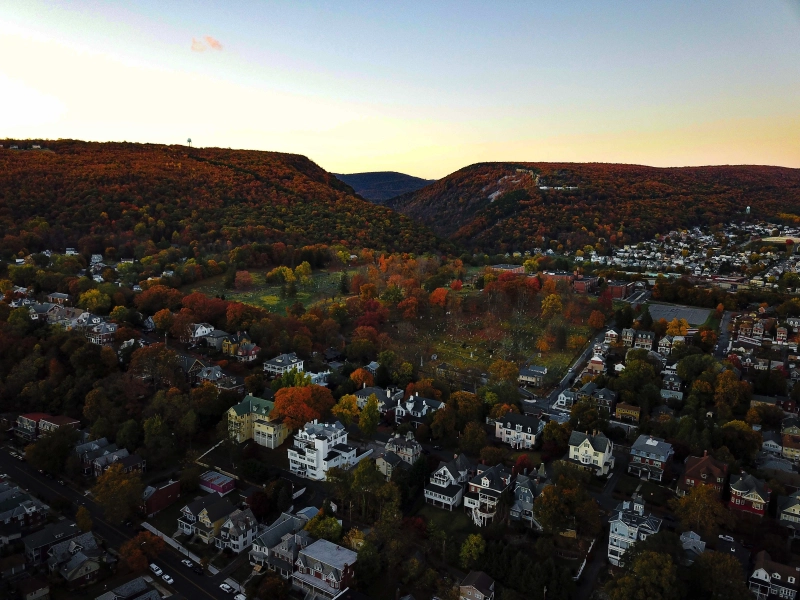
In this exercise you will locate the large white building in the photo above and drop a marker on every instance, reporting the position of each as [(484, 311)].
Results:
[(320, 446), (591, 452), (628, 525), (282, 363)]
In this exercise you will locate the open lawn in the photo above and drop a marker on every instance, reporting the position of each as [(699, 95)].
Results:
[(455, 523), (324, 285), (651, 492), (166, 521)]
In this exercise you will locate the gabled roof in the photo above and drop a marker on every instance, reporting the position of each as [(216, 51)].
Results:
[(480, 581), (764, 561), (599, 442), (653, 445), (253, 404), (697, 466), (494, 478), (746, 484), (512, 419)]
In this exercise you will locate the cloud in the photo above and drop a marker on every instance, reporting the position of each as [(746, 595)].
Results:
[(212, 43)]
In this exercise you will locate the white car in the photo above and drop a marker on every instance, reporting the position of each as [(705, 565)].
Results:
[(187, 562), (240, 597), (156, 571), (226, 588), (168, 579)]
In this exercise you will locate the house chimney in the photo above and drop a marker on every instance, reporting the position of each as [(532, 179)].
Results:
[(364, 385)]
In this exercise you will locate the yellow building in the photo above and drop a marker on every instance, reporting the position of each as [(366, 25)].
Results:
[(791, 447), (250, 420), (628, 412), (231, 343)]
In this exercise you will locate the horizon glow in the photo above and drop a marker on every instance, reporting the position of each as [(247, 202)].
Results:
[(415, 88)]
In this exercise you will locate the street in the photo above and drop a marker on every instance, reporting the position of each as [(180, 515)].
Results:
[(186, 582)]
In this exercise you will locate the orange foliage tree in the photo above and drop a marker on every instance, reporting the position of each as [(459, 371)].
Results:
[(299, 405), (138, 551), (362, 377)]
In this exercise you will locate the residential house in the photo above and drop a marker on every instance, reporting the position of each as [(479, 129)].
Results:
[(758, 329), (693, 547), (628, 525), (102, 334), (197, 331), (407, 448), (518, 431), (749, 494), (671, 387), (88, 451), (281, 364), (324, 569), (204, 517), (566, 398), (703, 470), (248, 352), (373, 367), (476, 586), (791, 447), (596, 365), (665, 345), (387, 398), (58, 298), (242, 419), (214, 482), (136, 589), (215, 339), (19, 511), (649, 457), (587, 390), (612, 337), (591, 452), (606, 399), (628, 336), (388, 462), (320, 446), (771, 579), (33, 588), (238, 531), (446, 486), (77, 560), (286, 524), (27, 426), (628, 412), (130, 463), (37, 544), (789, 512), (156, 498), (415, 408), (483, 493), (532, 375), (526, 490), (644, 340), (282, 556), (781, 335), (221, 380), (772, 442), (230, 343), (50, 424), (790, 425)]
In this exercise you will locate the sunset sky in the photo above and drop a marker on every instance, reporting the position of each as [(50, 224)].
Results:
[(418, 87)]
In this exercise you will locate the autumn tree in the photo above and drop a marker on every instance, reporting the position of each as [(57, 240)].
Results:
[(652, 575), (119, 493), (324, 528), (362, 377), (95, 301), (597, 320), (346, 409), (140, 550), (551, 306), (158, 297), (730, 393), (243, 280), (83, 519), (473, 438), (471, 550), (369, 417), (719, 576), (51, 451), (678, 327), (701, 510), (439, 297), (445, 423), (504, 371), (292, 405), (156, 364), (567, 505), (163, 320)]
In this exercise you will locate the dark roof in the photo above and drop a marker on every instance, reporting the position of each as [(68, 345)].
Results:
[(525, 421), (599, 442), (480, 581)]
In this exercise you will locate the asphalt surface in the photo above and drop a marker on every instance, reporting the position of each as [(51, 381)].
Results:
[(186, 583), (724, 335)]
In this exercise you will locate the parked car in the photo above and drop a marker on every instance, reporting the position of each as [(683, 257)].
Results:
[(240, 597), (168, 579), (187, 562), (156, 571), (226, 588), (199, 570)]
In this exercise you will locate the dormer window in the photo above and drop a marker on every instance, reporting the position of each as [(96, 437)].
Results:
[(776, 576), (791, 580)]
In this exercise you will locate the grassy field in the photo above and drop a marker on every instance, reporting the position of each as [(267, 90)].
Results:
[(324, 285), (455, 523)]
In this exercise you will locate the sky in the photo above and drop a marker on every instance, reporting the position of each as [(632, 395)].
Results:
[(424, 88)]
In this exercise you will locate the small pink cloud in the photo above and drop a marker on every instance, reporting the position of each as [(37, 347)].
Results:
[(198, 46), (212, 43)]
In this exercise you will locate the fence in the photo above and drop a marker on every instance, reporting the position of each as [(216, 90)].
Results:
[(212, 569)]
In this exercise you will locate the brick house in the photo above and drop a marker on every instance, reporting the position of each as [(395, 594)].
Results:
[(476, 586), (649, 457), (703, 470), (157, 498), (771, 579), (50, 424), (324, 569)]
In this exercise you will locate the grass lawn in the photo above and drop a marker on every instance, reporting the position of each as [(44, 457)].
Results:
[(324, 285), (222, 560), (533, 456), (454, 523), (243, 572), (626, 485), (166, 521), (651, 492)]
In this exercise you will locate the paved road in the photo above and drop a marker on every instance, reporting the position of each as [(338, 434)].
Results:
[(724, 336), (186, 583), (576, 366)]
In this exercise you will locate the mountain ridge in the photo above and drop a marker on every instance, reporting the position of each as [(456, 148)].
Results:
[(381, 186)]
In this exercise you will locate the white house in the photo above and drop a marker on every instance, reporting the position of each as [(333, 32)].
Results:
[(628, 525), (282, 363), (591, 452), (387, 398), (320, 446), (567, 398), (518, 431), (446, 486), (771, 579), (533, 375), (415, 408), (197, 331), (238, 531)]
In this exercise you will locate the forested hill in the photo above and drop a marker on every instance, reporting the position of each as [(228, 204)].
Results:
[(99, 195), (495, 207), (382, 185)]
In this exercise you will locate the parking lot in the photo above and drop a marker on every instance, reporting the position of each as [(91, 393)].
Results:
[(694, 316)]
